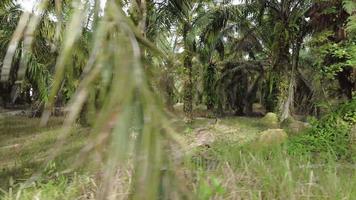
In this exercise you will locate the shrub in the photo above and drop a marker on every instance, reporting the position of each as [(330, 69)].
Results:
[(331, 134)]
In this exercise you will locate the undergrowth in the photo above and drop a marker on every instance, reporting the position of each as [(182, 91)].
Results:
[(331, 135), (250, 172)]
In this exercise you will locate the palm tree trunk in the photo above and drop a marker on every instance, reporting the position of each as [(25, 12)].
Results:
[(209, 81), (188, 76), (143, 16), (188, 86), (251, 96), (287, 105)]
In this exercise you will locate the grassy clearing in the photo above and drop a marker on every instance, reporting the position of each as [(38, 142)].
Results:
[(232, 167), (25, 146)]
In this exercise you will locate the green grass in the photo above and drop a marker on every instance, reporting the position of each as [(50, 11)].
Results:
[(231, 168), (25, 147), (242, 172), (234, 167)]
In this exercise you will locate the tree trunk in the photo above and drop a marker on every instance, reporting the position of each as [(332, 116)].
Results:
[(188, 86), (270, 92), (6, 92), (287, 105), (209, 81), (166, 83), (188, 73), (251, 96)]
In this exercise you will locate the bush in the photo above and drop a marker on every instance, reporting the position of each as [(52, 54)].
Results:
[(331, 134)]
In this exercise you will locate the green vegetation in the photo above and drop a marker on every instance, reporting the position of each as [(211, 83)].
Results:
[(247, 173), (177, 99), (234, 166), (331, 134), (25, 147)]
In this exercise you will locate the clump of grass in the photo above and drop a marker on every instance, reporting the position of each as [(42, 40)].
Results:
[(247, 172)]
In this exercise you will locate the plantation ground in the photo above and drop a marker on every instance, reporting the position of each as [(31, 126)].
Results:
[(24, 147), (221, 167)]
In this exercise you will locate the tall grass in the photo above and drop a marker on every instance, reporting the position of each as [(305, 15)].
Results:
[(246, 173), (236, 172)]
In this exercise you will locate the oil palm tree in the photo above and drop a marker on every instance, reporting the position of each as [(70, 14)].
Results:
[(38, 37), (9, 16), (281, 26)]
